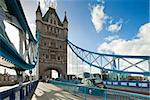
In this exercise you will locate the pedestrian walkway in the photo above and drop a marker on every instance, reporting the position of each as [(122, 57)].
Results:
[(46, 91)]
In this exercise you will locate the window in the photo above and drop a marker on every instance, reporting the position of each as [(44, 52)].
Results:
[(54, 22), (53, 44), (51, 29), (56, 35), (51, 21), (58, 57), (53, 56), (44, 43), (47, 56)]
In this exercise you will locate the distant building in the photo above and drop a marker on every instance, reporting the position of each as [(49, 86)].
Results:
[(6, 79)]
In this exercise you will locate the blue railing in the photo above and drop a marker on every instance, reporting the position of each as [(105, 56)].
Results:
[(19, 92), (101, 93), (139, 84)]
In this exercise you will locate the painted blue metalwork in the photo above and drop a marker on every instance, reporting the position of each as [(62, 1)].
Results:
[(117, 56), (23, 94), (14, 8), (138, 83), (71, 45), (7, 50), (102, 93), (9, 53)]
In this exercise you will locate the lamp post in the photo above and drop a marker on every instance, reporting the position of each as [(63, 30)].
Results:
[(30, 72)]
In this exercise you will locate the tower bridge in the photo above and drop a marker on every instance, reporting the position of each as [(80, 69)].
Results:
[(49, 52)]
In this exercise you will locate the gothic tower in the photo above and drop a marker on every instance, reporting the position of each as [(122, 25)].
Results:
[(53, 46)]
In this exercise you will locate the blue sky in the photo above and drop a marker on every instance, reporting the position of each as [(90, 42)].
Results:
[(134, 13)]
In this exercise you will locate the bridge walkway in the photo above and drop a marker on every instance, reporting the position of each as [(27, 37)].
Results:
[(46, 91)]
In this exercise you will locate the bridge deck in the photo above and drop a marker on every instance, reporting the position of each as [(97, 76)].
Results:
[(45, 91)]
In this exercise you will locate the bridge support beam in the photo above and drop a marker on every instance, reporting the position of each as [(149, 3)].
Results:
[(21, 43)]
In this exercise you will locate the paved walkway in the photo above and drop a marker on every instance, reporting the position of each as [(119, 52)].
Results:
[(45, 91)]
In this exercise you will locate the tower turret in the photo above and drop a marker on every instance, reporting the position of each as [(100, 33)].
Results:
[(65, 22), (38, 13), (38, 19)]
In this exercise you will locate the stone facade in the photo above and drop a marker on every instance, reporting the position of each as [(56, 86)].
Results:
[(53, 45)]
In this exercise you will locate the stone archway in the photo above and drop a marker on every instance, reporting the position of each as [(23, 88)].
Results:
[(45, 71), (48, 72)]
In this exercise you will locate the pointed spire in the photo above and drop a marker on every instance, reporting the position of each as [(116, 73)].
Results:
[(38, 9), (65, 13), (65, 18)]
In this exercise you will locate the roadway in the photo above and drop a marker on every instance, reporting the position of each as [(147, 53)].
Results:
[(46, 91)]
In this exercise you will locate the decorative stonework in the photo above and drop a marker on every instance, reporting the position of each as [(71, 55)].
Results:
[(53, 46)]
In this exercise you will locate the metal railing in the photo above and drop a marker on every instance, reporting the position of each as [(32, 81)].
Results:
[(19, 92), (100, 93), (138, 84)]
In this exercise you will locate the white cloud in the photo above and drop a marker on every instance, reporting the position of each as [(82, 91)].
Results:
[(45, 4), (53, 3), (138, 46), (114, 27), (144, 33), (98, 17), (110, 38)]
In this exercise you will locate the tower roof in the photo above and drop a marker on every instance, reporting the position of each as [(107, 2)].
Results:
[(65, 18), (38, 9), (49, 13)]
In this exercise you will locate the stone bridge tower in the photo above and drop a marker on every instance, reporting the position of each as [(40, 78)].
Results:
[(53, 46)]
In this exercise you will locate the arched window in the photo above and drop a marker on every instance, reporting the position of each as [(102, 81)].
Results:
[(54, 21), (47, 56), (49, 29), (51, 21), (58, 58), (44, 43)]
